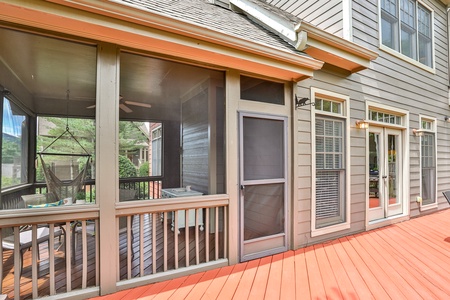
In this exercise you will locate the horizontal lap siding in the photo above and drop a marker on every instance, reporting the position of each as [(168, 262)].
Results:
[(326, 15), (390, 81)]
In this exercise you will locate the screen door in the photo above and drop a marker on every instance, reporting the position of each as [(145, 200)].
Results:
[(263, 174)]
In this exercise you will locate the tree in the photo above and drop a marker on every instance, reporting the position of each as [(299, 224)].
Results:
[(126, 167)]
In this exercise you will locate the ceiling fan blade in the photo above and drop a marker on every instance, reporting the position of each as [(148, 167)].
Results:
[(125, 108), (138, 104), (91, 106)]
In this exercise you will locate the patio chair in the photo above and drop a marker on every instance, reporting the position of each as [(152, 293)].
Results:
[(447, 196), (25, 240)]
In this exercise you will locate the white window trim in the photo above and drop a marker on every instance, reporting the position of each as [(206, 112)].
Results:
[(433, 130), (401, 56), (319, 93)]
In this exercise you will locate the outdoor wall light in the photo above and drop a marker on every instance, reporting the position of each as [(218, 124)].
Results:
[(447, 119), (362, 124), (417, 132)]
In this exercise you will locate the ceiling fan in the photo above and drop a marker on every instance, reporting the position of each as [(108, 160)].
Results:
[(123, 104)]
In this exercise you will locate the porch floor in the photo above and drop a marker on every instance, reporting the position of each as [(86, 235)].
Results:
[(408, 260)]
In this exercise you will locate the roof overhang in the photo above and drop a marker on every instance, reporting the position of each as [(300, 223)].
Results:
[(446, 2), (318, 43), (129, 26)]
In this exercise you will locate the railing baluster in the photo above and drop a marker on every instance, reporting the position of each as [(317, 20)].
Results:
[(97, 251), (51, 258), (225, 231), (68, 257), (207, 234), (34, 257), (154, 241), (17, 262), (216, 233), (141, 245), (197, 236), (84, 241), (175, 235), (165, 240), (186, 236), (129, 245)]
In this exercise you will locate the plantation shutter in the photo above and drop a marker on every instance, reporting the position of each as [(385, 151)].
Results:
[(329, 171)]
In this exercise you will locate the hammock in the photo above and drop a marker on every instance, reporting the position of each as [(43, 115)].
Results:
[(64, 188)]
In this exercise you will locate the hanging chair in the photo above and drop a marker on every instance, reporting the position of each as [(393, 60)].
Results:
[(64, 187)]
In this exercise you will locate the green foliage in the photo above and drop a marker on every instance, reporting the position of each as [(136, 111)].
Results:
[(144, 169), (10, 150), (126, 167), (7, 181)]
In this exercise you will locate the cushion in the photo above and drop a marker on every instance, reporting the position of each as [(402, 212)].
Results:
[(57, 203)]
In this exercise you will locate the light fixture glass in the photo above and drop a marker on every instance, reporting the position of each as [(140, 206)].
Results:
[(362, 124), (417, 132)]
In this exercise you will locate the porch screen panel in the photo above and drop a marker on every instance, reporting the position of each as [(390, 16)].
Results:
[(263, 149), (263, 210), (330, 172)]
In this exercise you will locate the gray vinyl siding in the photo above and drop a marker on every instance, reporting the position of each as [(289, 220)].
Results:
[(324, 14), (389, 81)]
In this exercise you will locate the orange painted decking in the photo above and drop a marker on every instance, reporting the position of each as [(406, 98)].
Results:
[(409, 260)]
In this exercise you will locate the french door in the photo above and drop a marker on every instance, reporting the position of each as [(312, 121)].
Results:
[(263, 181), (385, 173)]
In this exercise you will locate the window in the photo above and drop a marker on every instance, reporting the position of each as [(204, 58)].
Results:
[(255, 89), (385, 117), (428, 162), (329, 172), (330, 208), (156, 150), (406, 28), (14, 145)]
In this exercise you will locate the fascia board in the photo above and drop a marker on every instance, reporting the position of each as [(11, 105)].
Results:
[(336, 42), (223, 42)]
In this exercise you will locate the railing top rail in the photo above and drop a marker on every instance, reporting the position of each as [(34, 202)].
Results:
[(170, 204)]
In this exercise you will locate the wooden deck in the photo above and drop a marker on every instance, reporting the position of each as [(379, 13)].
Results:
[(409, 260)]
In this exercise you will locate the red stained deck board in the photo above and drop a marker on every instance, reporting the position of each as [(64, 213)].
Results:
[(260, 283), (288, 276), (343, 281), (199, 289), (246, 282), (274, 280), (315, 279), (423, 287), (229, 288), (384, 277), (373, 284), (427, 271), (217, 283), (187, 286), (170, 288), (301, 275), (329, 281)]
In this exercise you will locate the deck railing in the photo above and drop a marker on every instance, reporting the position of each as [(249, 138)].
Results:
[(40, 246), (171, 234)]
